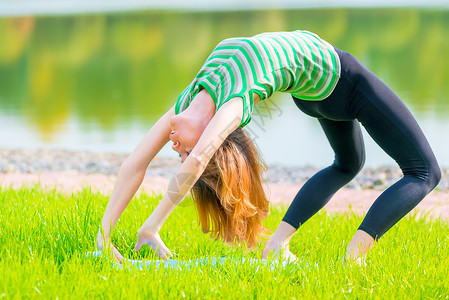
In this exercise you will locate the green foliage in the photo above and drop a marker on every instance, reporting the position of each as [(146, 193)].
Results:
[(45, 235)]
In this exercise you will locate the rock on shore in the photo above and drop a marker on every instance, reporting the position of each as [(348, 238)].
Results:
[(39, 161)]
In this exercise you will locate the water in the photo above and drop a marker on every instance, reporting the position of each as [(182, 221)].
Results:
[(99, 82)]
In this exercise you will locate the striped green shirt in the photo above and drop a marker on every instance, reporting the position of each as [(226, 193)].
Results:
[(298, 62)]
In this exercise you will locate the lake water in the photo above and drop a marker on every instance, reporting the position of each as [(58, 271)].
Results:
[(99, 82)]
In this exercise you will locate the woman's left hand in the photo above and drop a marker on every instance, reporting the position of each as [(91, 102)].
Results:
[(154, 241)]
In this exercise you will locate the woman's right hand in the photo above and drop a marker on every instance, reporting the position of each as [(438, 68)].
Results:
[(154, 241), (109, 246)]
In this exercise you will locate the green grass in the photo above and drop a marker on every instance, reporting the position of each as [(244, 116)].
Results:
[(44, 236)]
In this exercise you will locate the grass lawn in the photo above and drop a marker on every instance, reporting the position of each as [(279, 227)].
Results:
[(44, 236)]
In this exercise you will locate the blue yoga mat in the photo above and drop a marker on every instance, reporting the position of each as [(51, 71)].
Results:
[(187, 264)]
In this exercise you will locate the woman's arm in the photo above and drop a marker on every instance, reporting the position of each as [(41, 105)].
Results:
[(132, 171), (224, 122)]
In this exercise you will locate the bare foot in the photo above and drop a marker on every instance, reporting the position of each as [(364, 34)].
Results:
[(359, 246), (280, 251), (291, 257)]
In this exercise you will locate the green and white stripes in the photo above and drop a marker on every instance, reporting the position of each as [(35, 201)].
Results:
[(297, 62)]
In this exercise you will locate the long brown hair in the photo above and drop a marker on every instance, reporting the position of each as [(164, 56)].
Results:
[(229, 195)]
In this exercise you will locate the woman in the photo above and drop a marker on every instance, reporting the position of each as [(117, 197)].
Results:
[(222, 166)]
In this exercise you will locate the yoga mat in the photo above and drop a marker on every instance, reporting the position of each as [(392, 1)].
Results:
[(187, 264)]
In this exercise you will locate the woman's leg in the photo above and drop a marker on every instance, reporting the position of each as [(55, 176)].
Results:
[(346, 140), (361, 95), (395, 130)]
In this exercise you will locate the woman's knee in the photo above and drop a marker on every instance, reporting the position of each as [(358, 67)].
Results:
[(351, 165), (430, 174), (434, 175)]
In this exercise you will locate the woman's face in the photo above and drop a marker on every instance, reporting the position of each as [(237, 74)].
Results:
[(184, 134)]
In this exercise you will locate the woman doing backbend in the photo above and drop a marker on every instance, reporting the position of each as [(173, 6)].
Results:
[(221, 165)]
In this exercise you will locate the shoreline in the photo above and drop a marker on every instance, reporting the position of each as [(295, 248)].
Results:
[(108, 163), (71, 171)]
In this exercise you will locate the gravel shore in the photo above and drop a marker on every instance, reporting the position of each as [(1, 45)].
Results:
[(39, 161)]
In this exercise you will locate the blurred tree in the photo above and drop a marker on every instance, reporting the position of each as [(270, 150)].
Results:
[(127, 68), (14, 38)]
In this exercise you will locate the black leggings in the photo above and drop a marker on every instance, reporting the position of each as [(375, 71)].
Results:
[(362, 97)]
